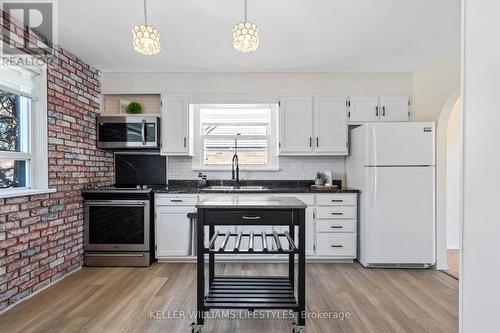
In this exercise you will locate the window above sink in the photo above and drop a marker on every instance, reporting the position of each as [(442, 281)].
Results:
[(220, 128)]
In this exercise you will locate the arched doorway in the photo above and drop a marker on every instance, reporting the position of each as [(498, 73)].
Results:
[(453, 187), (448, 179)]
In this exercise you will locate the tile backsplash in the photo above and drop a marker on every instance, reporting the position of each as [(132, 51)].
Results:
[(289, 168)]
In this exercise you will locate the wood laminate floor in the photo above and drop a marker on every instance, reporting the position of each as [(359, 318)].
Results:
[(453, 263), (121, 299)]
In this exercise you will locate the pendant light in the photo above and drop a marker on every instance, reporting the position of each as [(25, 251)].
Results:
[(146, 39), (245, 35)]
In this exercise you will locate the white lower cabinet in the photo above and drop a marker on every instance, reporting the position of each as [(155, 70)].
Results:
[(173, 230), (331, 226), (336, 225)]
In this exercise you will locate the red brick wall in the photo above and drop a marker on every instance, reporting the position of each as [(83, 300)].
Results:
[(41, 236)]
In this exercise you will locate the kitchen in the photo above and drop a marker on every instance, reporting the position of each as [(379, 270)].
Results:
[(254, 186)]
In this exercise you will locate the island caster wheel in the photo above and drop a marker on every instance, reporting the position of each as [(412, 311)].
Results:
[(296, 329), (196, 328)]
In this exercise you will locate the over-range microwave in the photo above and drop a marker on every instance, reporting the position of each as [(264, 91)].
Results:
[(128, 132)]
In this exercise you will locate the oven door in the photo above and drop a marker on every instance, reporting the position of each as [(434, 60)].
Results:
[(117, 225), (127, 132)]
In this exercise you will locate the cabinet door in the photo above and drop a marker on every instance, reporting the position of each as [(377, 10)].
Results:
[(394, 108), (330, 126), (175, 126), (173, 231), (296, 125), (364, 108)]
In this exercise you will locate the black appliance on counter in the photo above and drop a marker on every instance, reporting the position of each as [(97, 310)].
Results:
[(119, 219), (128, 132)]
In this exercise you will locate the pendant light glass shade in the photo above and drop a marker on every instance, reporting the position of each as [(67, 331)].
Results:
[(146, 39), (245, 35)]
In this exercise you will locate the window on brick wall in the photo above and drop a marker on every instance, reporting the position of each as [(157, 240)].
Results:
[(23, 131), (250, 130)]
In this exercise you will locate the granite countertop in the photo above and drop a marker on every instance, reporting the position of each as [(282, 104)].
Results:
[(226, 202), (277, 186)]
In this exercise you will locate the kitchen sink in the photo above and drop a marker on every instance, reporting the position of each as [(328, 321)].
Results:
[(236, 188)]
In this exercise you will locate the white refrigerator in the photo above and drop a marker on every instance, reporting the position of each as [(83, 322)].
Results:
[(393, 165)]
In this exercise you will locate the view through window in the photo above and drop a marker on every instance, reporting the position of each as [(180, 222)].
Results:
[(14, 140), (245, 129)]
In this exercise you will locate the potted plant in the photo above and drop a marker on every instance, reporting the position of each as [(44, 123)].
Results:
[(134, 108), (320, 178)]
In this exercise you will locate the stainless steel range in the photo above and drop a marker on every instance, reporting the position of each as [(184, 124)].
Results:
[(118, 226), (118, 229)]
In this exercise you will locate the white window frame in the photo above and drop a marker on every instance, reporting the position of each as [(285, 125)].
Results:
[(272, 135), (37, 153)]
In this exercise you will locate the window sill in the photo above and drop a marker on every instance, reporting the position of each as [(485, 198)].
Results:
[(241, 170), (10, 193)]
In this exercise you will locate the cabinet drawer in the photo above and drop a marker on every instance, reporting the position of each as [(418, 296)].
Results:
[(336, 244), (241, 217), (336, 199), (336, 212), (174, 200), (336, 225)]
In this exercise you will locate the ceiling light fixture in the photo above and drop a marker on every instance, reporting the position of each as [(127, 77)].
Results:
[(146, 39), (245, 35)]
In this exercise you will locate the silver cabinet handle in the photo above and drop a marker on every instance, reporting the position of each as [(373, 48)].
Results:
[(337, 245), (185, 142), (310, 142), (376, 111), (143, 132), (317, 142), (383, 111), (337, 200), (336, 227), (175, 200), (337, 213), (250, 217)]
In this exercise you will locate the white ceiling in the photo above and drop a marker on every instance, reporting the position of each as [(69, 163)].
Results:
[(296, 35)]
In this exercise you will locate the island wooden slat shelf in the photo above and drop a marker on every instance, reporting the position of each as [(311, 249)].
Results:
[(251, 292), (274, 246)]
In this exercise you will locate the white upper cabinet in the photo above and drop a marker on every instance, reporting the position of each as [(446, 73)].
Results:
[(313, 126), (175, 126), (330, 125), (296, 125), (394, 108), (379, 108), (364, 108)]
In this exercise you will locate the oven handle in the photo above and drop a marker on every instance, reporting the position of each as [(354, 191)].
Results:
[(143, 132), (116, 203), (114, 254)]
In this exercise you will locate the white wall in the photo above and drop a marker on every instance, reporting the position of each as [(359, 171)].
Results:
[(453, 177), (480, 288), (433, 83), (256, 83), (260, 84)]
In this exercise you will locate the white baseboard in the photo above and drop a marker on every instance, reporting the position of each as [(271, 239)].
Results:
[(38, 291)]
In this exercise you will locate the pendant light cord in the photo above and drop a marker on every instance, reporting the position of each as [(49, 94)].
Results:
[(245, 10), (145, 14)]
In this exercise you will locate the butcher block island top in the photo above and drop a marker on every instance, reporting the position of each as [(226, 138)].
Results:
[(228, 202)]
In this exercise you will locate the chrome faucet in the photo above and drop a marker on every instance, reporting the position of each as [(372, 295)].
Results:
[(235, 162)]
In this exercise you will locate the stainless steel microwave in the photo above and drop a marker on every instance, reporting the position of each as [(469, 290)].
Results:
[(128, 132)]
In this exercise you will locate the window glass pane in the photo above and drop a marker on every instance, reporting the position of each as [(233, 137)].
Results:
[(232, 130), (14, 110), (13, 173), (221, 151)]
